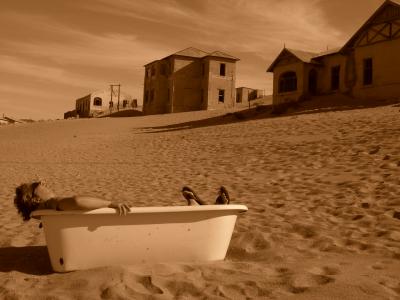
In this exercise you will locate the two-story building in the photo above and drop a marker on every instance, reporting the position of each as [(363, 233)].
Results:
[(366, 67), (189, 80)]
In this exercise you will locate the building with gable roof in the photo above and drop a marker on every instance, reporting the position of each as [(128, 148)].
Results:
[(366, 67), (190, 79)]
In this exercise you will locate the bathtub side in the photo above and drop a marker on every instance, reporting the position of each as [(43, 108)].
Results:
[(82, 241)]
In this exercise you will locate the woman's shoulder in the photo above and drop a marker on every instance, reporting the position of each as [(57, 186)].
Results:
[(53, 203)]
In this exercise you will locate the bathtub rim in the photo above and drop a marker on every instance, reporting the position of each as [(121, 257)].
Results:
[(238, 208)]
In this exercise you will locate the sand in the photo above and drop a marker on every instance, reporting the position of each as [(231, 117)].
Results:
[(321, 189)]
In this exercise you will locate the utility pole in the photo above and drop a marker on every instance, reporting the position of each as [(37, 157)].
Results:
[(119, 91), (172, 96), (115, 93), (111, 102)]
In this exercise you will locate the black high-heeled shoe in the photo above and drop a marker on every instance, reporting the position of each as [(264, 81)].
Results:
[(191, 197), (223, 196)]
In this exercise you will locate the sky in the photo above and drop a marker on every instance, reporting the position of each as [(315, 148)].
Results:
[(55, 51)]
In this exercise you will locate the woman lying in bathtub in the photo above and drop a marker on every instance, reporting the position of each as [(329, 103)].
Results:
[(36, 195)]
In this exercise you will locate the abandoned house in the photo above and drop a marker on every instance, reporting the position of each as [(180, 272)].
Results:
[(366, 67), (102, 102), (189, 80), (244, 95)]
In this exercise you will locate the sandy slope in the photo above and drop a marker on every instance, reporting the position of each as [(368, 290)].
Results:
[(321, 190)]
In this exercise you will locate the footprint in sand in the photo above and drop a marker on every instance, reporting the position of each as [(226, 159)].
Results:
[(378, 266), (302, 282), (374, 150), (325, 270), (306, 231), (123, 290), (147, 282), (392, 285), (297, 283)]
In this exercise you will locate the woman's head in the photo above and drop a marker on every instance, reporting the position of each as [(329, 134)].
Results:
[(26, 200)]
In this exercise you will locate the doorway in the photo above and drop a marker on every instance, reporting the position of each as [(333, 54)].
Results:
[(312, 82)]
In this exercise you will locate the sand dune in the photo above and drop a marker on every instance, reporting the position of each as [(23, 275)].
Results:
[(321, 188)]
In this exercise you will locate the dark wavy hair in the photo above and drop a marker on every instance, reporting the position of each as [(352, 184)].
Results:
[(25, 200)]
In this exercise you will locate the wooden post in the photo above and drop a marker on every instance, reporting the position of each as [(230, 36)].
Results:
[(111, 100), (119, 90)]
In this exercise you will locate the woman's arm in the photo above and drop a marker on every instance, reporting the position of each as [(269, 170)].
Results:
[(85, 203)]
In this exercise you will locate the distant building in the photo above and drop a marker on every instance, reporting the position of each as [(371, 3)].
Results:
[(100, 103), (244, 95), (70, 114), (7, 120), (188, 80), (366, 67)]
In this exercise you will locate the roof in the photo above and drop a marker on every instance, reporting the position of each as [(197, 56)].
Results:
[(328, 52), (191, 52), (80, 98), (384, 5), (197, 53), (245, 87), (223, 55), (303, 56), (396, 2)]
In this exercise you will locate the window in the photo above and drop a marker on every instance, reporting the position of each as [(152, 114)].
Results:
[(203, 69), (222, 69), (312, 82), (221, 95), (287, 82), (97, 101), (335, 78), (153, 71), (368, 71), (124, 103)]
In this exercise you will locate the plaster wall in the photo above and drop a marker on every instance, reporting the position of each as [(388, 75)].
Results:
[(217, 82), (158, 85), (187, 84), (386, 70), (324, 78)]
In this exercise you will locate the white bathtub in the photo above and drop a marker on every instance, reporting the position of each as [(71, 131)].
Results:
[(86, 239)]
